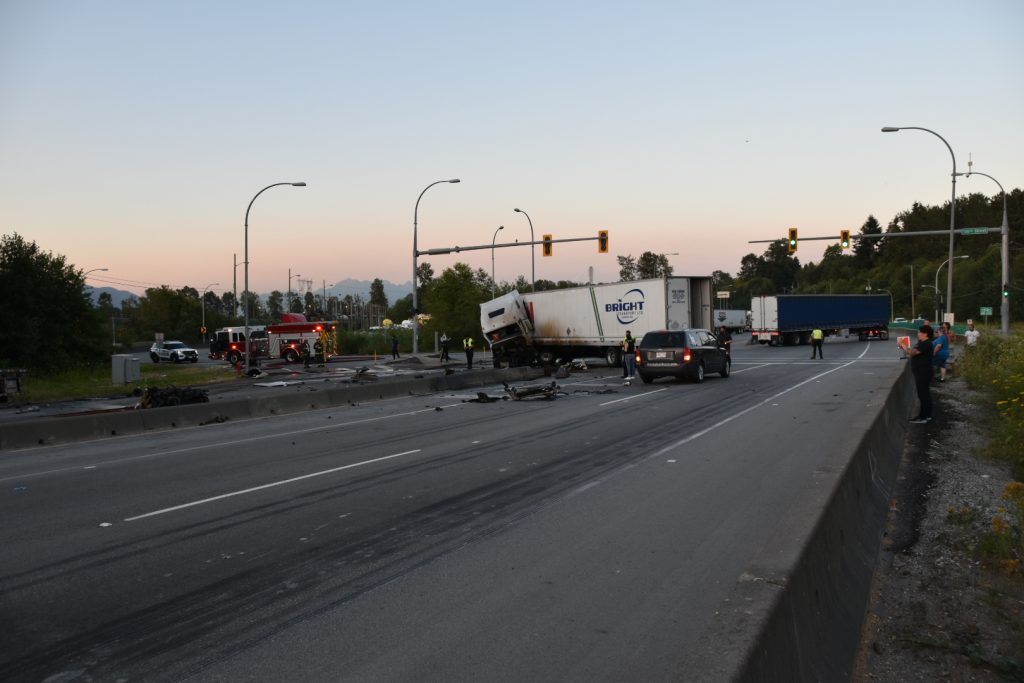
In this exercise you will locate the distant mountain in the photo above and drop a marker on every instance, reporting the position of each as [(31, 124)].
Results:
[(340, 289), (116, 295), (361, 288)]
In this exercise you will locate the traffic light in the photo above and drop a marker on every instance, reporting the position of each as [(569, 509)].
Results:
[(792, 240), (844, 239), (602, 241), (1006, 290), (546, 247)]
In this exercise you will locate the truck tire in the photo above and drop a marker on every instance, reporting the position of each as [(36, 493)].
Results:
[(234, 357), (291, 356), (546, 357), (613, 356), (155, 358), (884, 335)]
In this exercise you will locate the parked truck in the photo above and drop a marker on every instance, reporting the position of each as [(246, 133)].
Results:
[(790, 319), (590, 321), (734, 319)]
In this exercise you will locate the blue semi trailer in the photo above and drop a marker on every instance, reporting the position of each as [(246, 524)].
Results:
[(789, 319)]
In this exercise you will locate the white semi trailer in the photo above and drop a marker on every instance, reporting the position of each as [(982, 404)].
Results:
[(591, 321)]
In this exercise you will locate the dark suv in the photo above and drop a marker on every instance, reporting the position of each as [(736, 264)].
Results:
[(681, 353)]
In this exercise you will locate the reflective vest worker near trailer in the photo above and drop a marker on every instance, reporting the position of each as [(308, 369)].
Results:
[(467, 346)]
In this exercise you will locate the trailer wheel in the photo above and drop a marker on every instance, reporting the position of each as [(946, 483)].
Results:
[(546, 357), (612, 356)]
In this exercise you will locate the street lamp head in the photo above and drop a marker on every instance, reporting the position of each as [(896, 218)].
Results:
[(890, 129), (454, 180), (298, 184), (517, 210)]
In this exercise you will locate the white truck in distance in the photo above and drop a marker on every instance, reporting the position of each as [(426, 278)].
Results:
[(734, 319), (591, 321)]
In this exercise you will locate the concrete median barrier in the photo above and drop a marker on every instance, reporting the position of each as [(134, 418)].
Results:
[(797, 614), (256, 402)]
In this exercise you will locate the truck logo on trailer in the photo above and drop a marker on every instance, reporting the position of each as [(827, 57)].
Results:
[(628, 308)]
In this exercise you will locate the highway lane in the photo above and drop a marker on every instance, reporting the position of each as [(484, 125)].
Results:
[(592, 536)]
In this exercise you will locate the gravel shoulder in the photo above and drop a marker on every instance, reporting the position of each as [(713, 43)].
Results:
[(937, 611)]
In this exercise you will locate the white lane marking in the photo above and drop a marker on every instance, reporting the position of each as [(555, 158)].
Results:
[(630, 398), (220, 444), (204, 501), (720, 423)]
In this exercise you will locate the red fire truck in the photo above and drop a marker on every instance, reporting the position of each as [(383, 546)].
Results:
[(285, 340), (229, 342)]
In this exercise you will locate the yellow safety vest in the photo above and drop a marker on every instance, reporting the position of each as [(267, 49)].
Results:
[(817, 334)]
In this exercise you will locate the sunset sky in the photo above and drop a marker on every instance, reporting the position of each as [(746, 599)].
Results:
[(133, 135)]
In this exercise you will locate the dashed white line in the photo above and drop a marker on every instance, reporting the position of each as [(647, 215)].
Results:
[(212, 499)]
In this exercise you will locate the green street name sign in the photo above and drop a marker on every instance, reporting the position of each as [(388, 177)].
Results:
[(986, 310), (974, 231)]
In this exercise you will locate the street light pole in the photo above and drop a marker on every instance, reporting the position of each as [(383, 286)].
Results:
[(245, 292), (1004, 305), (415, 255), (938, 309), (202, 300), (324, 302), (533, 259), (288, 304), (952, 206), (493, 281)]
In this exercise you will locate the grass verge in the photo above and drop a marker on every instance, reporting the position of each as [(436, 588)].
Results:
[(96, 381)]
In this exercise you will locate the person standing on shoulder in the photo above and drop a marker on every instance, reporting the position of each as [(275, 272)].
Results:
[(921, 368), (817, 338), (940, 352), (394, 346), (629, 355), (467, 346), (971, 335), (444, 348)]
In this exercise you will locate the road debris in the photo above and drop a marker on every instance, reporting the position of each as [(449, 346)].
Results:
[(545, 391), (155, 397)]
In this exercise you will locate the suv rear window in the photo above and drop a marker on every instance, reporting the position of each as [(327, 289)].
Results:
[(662, 340)]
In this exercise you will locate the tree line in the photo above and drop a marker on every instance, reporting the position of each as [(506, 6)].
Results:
[(69, 329)]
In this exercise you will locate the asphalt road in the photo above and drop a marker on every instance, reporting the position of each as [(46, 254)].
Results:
[(589, 538)]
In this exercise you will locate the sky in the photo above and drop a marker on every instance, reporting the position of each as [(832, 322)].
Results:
[(134, 135)]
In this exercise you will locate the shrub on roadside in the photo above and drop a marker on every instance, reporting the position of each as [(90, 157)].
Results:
[(996, 367)]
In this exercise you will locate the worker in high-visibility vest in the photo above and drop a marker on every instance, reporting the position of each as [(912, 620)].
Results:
[(817, 337), (467, 346)]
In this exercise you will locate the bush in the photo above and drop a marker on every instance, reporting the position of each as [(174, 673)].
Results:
[(995, 366)]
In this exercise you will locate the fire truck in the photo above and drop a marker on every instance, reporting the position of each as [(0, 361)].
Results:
[(284, 340), (229, 342)]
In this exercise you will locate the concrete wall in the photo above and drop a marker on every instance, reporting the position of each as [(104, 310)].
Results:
[(812, 628), (251, 402)]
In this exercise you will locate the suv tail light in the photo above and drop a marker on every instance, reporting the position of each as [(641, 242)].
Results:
[(687, 354)]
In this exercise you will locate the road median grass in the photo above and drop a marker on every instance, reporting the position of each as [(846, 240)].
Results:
[(95, 381)]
